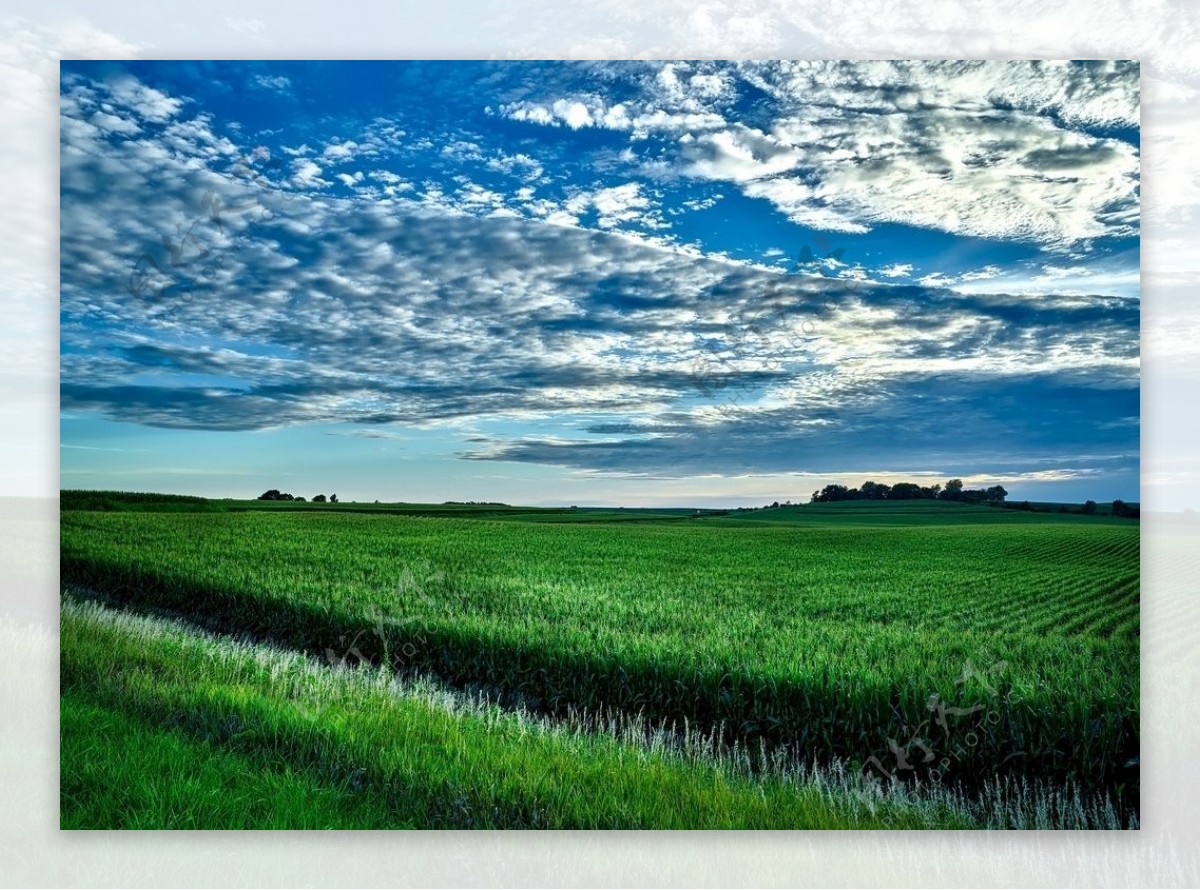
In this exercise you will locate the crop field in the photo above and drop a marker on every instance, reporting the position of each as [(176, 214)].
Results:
[(863, 665)]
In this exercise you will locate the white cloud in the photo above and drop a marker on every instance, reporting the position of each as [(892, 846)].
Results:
[(896, 270), (519, 165), (114, 124), (277, 82), (740, 154), (474, 198), (339, 151), (1117, 277), (196, 137), (534, 114), (616, 205), (986, 149), (616, 118), (1051, 272), (799, 202), (307, 173), (462, 150), (573, 114), (147, 102), (980, 274), (702, 203)]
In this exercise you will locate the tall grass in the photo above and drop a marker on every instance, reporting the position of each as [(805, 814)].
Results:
[(165, 726)]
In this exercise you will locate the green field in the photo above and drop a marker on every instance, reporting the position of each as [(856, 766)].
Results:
[(920, 664)]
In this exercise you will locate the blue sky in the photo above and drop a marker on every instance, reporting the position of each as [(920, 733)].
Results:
[(639, 283)]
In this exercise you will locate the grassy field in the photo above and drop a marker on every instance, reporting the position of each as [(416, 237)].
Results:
[(935, 663), (192, 732)]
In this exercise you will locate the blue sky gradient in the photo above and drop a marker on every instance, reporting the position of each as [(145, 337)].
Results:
[(688, 283)]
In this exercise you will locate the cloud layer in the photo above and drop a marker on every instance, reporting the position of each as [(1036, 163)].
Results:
[(989, 149), (212, 285)]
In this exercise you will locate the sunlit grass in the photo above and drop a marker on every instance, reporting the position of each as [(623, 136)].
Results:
[(165, 727)]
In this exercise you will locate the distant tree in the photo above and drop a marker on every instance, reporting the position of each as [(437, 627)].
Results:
[(286, 497), (874, 491), (952, 491), (904, 491), (299, 499), (318, 498), (333, 499), (269, 495), (996, 494), (1120, 508), (831, 493), (1089, 507)]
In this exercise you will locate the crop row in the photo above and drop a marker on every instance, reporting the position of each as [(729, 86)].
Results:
[(830, 643)]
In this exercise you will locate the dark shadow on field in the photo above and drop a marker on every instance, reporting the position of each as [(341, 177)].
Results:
[(815, 724)]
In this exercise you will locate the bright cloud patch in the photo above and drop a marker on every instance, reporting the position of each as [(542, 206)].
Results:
[(990, 149)]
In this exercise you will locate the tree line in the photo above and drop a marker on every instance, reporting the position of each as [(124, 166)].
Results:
[(911, 491), (274, 494)]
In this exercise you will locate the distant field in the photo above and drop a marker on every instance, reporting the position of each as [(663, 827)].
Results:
[(918, 512), (868, 512), (819, 633), (112, 501)]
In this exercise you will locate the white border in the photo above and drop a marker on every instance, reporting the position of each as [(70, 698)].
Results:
[(1162, 36)]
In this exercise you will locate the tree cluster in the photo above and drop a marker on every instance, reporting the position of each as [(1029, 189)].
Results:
[(1120, 508), (274, 494), (909, 491)]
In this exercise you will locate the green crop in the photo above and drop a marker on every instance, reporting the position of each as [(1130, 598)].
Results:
[(961, 648), (164, 726)]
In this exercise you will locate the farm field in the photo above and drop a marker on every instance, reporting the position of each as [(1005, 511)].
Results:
[(864, 665)]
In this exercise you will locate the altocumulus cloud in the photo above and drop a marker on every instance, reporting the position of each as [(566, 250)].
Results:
[(212, 285), (995, 149)]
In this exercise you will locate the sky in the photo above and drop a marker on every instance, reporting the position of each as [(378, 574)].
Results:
[(639, 283)]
